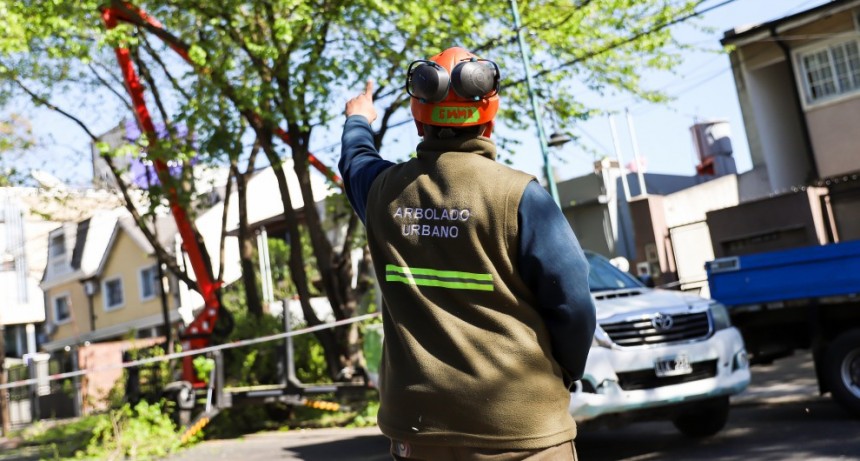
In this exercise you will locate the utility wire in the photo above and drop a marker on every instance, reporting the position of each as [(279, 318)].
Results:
[(628, 40), (593, 54)]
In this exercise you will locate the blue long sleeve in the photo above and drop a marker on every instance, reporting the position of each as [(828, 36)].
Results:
[(553, 265), (359, 163)]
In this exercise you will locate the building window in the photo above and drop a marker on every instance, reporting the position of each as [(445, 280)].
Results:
[(148, 282), (832, 71), (112, 290), (58, 245), (62, 309)]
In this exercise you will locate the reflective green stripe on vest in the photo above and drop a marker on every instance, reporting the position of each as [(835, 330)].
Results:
[(454, 280)]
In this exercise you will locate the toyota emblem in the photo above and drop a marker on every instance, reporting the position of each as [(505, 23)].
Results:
[(662, 322)]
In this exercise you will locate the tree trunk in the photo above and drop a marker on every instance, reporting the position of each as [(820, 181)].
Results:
[(298, 274), (246, 249), (335, 268)]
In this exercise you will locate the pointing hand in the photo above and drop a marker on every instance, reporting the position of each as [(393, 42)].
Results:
[(362, 104)]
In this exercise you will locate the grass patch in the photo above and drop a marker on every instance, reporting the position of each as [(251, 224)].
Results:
[(144, 432)]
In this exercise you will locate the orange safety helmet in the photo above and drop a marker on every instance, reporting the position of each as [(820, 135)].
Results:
[(454, 88)]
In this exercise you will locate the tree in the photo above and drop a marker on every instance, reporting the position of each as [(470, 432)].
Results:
[(15, 139), (258, 67)]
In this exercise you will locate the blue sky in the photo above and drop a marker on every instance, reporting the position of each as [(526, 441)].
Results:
[(703, 88)]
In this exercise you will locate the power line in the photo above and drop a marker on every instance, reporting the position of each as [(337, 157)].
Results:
[(747, 57), (628, 40)]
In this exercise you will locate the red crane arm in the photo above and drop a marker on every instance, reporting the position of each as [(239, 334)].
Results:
[(126, 12), (198, 334), (112, 15)]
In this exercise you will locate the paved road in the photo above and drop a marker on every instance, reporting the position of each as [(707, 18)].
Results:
[(780, 417)]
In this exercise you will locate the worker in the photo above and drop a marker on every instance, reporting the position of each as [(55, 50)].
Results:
[(487, 315)]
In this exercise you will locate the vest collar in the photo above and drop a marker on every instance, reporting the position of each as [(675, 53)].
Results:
[(431, 148)]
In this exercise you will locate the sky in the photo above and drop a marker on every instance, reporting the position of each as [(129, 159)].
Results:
[(703, 89)]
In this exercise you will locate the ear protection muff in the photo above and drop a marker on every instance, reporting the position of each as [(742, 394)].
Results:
[(454, 88), (472, 79), (428, 81), (475, 79)]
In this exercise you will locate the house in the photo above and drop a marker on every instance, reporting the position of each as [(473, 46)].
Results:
[(27, 215), (105, 294), (265, 216), (798, 84), (627, 215), (102, 282)]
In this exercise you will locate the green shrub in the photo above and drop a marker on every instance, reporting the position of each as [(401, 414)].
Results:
[(142, 432)]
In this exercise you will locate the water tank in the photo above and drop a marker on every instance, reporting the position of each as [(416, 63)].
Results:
[(714, 147), (712, 138)]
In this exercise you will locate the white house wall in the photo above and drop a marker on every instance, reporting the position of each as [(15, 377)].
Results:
[(836, 152), (264, 202), (690, 205), (770, 91)]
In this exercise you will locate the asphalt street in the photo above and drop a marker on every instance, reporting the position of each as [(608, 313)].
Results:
[(779, 417)]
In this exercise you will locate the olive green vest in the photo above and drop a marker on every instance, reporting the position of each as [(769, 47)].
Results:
[(467, 359)]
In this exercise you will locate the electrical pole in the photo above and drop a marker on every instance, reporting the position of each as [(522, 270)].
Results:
[(544, 145)]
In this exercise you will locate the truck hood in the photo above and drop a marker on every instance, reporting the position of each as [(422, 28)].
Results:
[(611, 303)]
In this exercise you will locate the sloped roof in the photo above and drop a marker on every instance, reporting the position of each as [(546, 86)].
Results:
[(94, 239), (126, 223), (741, 34)]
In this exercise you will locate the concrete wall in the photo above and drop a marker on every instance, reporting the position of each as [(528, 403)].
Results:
[(690, 205), (835, 138), (780, 131), (776, 223)]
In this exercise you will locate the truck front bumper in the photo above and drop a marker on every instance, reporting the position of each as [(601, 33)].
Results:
[(606, 387)]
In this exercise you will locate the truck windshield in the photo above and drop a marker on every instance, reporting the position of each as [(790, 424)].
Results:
[(603, 276)]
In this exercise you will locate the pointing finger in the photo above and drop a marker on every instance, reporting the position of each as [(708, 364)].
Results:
[(368, 89)]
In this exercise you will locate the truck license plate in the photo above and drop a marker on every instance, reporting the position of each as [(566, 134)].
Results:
[(673, 366)]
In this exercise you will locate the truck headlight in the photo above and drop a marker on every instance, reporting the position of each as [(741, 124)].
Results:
[(720, 316), (741, 360), (601, 339)]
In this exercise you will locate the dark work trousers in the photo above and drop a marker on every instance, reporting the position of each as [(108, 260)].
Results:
[(413, 452)]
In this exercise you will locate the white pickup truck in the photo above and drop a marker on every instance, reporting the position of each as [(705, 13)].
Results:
[(658, 354)]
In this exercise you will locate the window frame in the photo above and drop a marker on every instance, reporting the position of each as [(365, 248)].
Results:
[(58, 237), (800, 71), (141, 280), (105, 294), (54, 313)]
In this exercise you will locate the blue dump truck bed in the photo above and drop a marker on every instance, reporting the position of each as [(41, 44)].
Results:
[(799, 273)]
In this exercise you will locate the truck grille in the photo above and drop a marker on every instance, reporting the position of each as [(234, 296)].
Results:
[(643, 332), (648, 379)]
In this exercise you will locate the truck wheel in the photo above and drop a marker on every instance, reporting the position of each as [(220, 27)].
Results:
[(842, 370), (704, 419)]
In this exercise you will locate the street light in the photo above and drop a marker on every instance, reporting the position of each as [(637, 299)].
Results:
[(544, 148), (558, 139)]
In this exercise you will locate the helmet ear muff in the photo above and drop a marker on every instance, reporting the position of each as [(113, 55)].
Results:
[(475, 79), (427, 81)]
